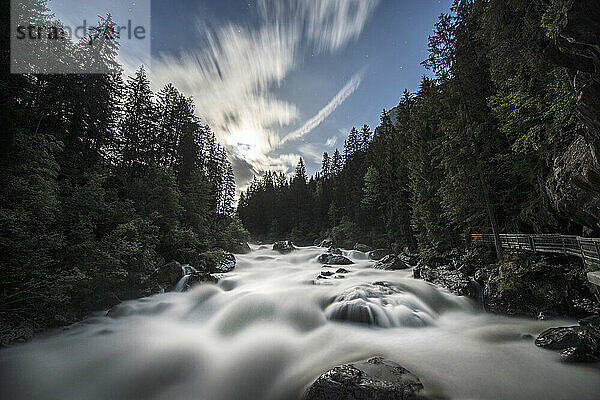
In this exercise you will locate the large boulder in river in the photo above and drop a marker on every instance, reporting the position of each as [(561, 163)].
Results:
[(390, 263), (335, 250), (410, 259), (240, 248), (162, 279), (198, 277), (575, 343), (373, 379), (378, 254), (215, 261), (362, 247), (334, 259), (455, 281), (284, 246)]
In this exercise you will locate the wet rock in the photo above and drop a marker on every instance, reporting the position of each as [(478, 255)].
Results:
[(162, 279), (199, 277), (362, 247), (372, 379), (284, 246), (576, 343), (390, 263), (326, 273), (241, 248), (341, 271), (335, 250), (378, 254), (339, 277), (334, 259), (408, 258), (215, 261), (455, 281)]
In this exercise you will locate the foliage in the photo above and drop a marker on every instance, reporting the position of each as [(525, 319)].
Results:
[(465, 153), (103, 179)]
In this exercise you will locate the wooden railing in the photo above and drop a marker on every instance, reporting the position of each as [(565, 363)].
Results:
[(586, 248)]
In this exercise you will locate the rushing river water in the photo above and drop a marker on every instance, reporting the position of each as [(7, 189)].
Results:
[(266, 331)]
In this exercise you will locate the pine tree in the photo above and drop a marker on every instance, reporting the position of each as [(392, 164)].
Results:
[(353, 141), (365, 137), (300, 175), (326, 165), (138, 127), (337, 163)]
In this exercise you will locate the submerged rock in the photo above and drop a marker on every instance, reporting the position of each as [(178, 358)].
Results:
[(575, 343), (390, 263), (342, 271), (372, 379), (334, 259), (378, 304), (362, 247), (455, 281), (378, 254), (284, 246)]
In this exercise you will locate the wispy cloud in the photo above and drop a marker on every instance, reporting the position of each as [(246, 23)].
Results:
[(233, 71), (331, 141), (339, 98)]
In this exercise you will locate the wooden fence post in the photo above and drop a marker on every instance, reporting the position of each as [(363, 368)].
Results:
[(532, 243), (563, 245)]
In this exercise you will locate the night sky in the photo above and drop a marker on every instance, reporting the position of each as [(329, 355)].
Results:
[(280, 79)]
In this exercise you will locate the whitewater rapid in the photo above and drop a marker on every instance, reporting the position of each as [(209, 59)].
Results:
[(269, 328)]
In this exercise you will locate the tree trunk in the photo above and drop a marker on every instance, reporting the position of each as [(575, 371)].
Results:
[(491, 216)]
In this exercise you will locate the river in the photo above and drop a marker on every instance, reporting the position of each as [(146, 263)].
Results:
[(269, 328)]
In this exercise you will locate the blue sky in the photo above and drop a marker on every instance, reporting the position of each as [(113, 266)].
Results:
[(280, 79)]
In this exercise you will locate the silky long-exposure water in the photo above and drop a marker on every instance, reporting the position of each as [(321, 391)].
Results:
[(269, 328)]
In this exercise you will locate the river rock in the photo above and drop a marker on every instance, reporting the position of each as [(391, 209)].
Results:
[(378, 254), (362, 247), (333, 259), (410, 259), (342, 271), (162, 279), (284, 246), (372, 379), (334, 250), (455, 281), (198, 277), (390, 263), (241, 248), (576, 343), (215, 261)]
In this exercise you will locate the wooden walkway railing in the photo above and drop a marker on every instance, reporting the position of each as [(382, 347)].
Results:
[(586, 248)]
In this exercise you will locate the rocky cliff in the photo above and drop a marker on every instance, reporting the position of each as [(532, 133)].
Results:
[(573, 186)]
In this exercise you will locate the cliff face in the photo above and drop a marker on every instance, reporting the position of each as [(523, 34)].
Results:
[(573, 186)]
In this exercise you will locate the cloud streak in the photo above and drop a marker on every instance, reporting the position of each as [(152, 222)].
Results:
[(233, 72), (325, 112)]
